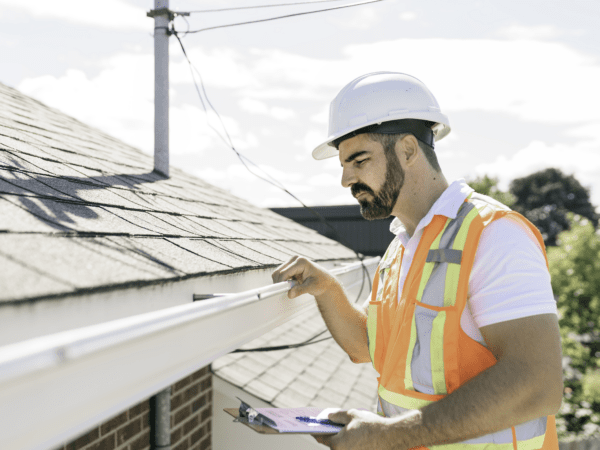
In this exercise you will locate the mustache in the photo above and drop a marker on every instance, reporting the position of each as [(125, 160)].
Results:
[(357, 188)]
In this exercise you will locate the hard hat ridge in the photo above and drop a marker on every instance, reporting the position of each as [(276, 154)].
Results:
[(375, 99)]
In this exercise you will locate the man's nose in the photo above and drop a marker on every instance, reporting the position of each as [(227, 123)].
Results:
[(348, 177)]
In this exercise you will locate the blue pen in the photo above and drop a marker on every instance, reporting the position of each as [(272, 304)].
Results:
[(319, 421)]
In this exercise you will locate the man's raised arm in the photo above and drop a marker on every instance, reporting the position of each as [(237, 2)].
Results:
[(346, 322)]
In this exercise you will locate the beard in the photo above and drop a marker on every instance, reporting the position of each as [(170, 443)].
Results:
[(382, 204)]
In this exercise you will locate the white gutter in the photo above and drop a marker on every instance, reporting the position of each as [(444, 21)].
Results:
[(55, 387)]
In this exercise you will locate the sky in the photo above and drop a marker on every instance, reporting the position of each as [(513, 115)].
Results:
[(518, 80)]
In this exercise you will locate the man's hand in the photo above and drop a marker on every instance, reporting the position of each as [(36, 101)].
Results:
[(311, 278), (364, 430)]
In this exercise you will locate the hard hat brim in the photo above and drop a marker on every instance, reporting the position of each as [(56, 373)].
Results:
[(325, 150)]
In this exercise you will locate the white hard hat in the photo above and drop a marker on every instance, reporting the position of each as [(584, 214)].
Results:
[(380, 97)]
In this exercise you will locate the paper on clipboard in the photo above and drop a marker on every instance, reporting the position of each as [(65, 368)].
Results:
[(286, 421)]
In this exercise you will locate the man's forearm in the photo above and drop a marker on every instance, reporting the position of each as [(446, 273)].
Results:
[(347, 324), (498, 398)]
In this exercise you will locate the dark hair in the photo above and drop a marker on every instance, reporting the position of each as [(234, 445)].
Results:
[(388, 141)]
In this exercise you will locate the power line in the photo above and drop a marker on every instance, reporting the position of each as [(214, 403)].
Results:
[(262, 6), (283, 17), (275, 183)]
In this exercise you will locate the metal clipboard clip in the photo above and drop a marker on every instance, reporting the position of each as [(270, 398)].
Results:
[(249, 415)]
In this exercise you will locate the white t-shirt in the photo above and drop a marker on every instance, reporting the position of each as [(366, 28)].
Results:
[(509, 279)]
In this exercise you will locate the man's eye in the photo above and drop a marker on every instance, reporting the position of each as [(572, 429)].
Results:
[(359, 163)]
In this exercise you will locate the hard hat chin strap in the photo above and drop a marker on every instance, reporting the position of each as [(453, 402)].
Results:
[(420, 129)]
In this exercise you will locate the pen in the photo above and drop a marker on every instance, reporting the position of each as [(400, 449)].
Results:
[(319, 421)]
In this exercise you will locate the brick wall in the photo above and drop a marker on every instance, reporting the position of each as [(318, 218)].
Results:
[(191, 414)]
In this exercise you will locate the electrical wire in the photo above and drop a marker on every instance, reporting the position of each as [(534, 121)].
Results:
[(262, 6), (229, 143), (284, 17), (309, 341)]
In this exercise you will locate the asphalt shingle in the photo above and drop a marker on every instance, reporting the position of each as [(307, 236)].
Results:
[(81, 210)]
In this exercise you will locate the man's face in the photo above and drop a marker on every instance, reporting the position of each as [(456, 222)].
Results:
[(374, 176)]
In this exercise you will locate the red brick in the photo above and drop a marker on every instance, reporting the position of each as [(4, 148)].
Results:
[(182, 383), (128, 431), (191, 392), (197, 435), (199, 403), (83, 440), (139, 409), (190, 425), (200, 373), (183, 445), (180, 416), (142, 442), (205, 444), (113, 424), (106, 443), (146, 421), (176, 435), (206, 413), (176, 402), (206, 384)]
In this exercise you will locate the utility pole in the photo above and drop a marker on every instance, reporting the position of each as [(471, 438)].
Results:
[(162, 16)]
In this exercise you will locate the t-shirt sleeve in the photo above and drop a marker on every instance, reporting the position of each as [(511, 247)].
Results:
[(509, 279)]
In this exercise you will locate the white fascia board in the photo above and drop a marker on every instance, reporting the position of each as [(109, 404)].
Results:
[(29, 319), (53, 388)]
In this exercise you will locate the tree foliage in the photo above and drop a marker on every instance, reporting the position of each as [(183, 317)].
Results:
[(574, 267), (545, 198), (489, 186)]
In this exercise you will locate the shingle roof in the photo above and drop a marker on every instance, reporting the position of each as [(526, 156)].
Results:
[(319, 374), (81, 211)]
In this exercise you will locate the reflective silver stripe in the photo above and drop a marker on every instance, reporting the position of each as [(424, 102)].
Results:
[(421, 356), (531, 429), (445, 255), (433, 294), (453, 228)]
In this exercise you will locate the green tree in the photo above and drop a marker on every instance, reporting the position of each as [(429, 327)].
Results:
[(489, 186), (574, 267), (545, 198)]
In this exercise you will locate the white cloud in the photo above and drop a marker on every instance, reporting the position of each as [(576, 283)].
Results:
[(520, 78), (310, 140), (220, 67), (107, 14), (324, 180), (322, 117), (258, 107), (119, 100), (408, 16), (582, 160), (545, 82), (361, 19), (538, 32)]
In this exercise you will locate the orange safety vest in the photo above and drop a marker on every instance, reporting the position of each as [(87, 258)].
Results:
[(416, 343)]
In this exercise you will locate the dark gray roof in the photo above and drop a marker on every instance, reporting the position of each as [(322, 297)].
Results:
[(82, 211), (319, 374)]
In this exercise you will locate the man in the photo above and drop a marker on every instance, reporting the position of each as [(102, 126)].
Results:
[(461, 324)]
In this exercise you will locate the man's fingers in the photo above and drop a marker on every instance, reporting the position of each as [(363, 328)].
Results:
[(295, 270), (301, 288), (341, 417), (277, 274), (324, 439)]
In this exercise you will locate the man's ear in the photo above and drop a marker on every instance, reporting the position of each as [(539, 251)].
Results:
[(407, 149)]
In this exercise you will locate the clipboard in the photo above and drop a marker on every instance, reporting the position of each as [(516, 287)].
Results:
[(259, 428), (263, 425)]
